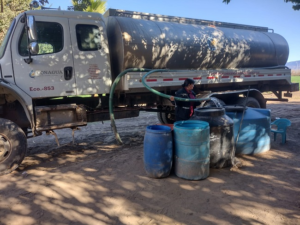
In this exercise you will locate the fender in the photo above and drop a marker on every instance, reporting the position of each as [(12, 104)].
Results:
[(24, 99), (252, 93)]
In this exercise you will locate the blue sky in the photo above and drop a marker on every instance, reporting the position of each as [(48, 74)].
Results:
[(274, 14)]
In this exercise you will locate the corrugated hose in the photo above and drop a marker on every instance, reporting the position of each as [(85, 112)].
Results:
[(149, 72)]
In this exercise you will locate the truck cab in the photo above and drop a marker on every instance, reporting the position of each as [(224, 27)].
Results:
[(47, 55), (73, 55)]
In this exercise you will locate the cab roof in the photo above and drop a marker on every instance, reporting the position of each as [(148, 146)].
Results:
[(66, 14)]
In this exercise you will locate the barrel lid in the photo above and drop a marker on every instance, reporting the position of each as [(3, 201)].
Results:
[(210, 111), (191, 124)]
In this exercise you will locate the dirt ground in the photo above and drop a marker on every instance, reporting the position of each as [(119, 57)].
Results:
[(97, 182)]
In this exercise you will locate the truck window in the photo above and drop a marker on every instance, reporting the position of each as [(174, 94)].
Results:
[(88, 37), (50, 38), (6, 38)]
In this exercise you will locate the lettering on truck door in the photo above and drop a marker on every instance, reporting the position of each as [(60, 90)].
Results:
[(51, 73), (91, 56)]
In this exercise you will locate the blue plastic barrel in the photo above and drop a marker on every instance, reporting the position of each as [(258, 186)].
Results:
[(255, 131), (191, 156), (158, 151)]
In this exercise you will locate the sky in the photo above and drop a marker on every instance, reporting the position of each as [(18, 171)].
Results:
[(274, 14)]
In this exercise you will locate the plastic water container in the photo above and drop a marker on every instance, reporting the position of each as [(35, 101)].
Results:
[(191, 156), (221, 135), (255, 131), (158, 151)]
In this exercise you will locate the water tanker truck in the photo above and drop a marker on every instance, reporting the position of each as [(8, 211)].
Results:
[(57, 69)]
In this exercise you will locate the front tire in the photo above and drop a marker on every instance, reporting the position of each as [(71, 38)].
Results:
[(13, 146)]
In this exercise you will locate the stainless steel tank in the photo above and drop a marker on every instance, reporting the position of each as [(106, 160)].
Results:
[(156, 44)]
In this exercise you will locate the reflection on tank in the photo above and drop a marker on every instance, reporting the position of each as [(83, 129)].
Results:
[(160, 44)]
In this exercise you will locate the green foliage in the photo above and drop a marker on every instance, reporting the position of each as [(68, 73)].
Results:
[(80, 5), (11, 8), (296, 79), (88, 5), (296, 3), (45, 48), (98, 6)]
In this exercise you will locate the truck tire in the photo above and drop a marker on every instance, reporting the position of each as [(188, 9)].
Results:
[(163, 118), (13, 145), (166, 117), (159, 117), (252, 102)]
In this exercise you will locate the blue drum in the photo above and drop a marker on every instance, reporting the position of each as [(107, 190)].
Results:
[(158, 151), (191, 156)]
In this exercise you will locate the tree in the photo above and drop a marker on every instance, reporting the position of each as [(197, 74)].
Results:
[(296, 3), (36, 4), (88, 5), (79, 5), (295, 7), (98, 6), (11, 8), (1, 6)]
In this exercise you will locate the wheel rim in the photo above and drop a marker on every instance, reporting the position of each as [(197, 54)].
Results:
[(5, 148)]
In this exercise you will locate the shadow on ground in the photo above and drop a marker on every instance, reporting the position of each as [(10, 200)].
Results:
[(98, 182)]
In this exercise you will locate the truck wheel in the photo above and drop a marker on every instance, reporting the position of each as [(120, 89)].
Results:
[(252, 102), (168, 118), (160, 118), (165, 118), (13, 145)]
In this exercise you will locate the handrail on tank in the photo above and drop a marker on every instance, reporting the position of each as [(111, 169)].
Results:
[(149, 72), (177, 19)]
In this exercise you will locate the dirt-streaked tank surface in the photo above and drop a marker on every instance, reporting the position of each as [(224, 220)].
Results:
[(173, 45)]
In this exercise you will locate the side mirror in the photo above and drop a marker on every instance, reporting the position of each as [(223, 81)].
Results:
[(33, 48), (32, 31)]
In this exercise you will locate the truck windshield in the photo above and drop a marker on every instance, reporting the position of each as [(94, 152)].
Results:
[(6, 38)]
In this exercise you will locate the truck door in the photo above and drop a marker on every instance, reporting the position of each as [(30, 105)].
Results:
[(51, 72), (91, 56)]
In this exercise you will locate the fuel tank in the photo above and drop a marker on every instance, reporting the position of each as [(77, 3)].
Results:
[(164, 42)]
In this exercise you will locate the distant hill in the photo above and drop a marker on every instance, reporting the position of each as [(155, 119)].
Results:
[(295, 66)]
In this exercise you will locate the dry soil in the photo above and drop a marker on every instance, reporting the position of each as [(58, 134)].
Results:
[(96, 181)]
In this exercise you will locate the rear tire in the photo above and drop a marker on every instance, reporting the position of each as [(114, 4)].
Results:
[(165, 117), (13, 145), (159, 117), (252, 102)]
